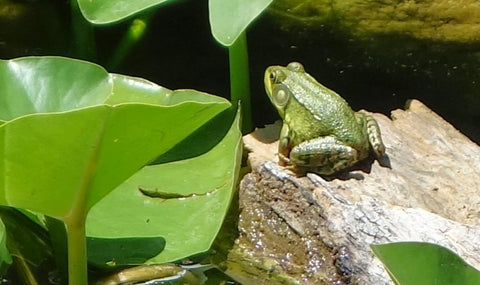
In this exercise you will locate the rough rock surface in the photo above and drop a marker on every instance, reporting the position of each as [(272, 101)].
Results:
[(311, 230)]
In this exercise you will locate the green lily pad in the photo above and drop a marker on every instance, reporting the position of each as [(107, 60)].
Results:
[(183, 201), (50, 84), (228, 19), (72, 133), (107, 11), (73, 146), (410, 263)]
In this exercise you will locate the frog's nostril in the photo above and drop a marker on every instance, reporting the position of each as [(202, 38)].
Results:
[(296, 66)]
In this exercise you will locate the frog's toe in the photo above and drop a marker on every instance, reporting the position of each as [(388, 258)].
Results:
[(375, 136), (379, 149), (283, 160)]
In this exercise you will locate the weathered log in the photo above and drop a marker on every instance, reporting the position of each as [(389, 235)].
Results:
[(311, 230)]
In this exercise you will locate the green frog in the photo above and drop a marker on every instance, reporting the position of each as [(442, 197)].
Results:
[(320, 131)]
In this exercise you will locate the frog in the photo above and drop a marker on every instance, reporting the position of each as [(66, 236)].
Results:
[(320, 131)]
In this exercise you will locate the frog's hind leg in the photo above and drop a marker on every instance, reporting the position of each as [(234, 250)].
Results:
[(374, 136), (326, 155), (373, 132)]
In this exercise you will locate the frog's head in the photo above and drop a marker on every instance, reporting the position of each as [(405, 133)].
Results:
[(281, 83)]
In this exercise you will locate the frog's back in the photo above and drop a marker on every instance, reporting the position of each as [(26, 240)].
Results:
[(326, 113)]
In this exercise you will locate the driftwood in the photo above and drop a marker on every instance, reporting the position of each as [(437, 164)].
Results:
[(311, 230)]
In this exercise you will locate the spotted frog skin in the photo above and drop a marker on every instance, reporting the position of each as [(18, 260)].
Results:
[(320, 131)]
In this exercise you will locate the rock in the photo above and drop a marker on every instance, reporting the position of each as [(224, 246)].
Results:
[(311, 230)]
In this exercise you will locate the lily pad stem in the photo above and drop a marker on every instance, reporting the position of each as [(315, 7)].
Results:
[(135, 32), (239, 79), (77, 251)]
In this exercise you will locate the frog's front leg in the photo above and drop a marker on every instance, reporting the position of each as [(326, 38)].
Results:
[(326, 155), (284, 146)]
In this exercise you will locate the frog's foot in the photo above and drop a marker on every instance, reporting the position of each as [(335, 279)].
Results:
[(374, 136), (326, 155), (283, 160)]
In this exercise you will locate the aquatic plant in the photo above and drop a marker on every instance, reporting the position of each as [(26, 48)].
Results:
[(71, 137), (228, 21)]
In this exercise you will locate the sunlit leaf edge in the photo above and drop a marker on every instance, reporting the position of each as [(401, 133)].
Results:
[(140, 90), (95, 13)]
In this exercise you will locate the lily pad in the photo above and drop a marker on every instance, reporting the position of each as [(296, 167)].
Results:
[(107, 11), (72, 132), (73, 146), (185, 202), (228, 19), (424, 263)]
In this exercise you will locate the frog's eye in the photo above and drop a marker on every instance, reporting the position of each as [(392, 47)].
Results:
[(281, 94), (295, 66), (276, 76)]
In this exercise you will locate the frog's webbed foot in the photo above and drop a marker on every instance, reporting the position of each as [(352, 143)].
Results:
[(325, 155), (374, 135)]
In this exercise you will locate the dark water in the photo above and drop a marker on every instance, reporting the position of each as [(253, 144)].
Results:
[(379, 74)]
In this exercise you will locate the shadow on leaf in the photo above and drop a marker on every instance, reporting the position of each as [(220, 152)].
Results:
[(112, 252)]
